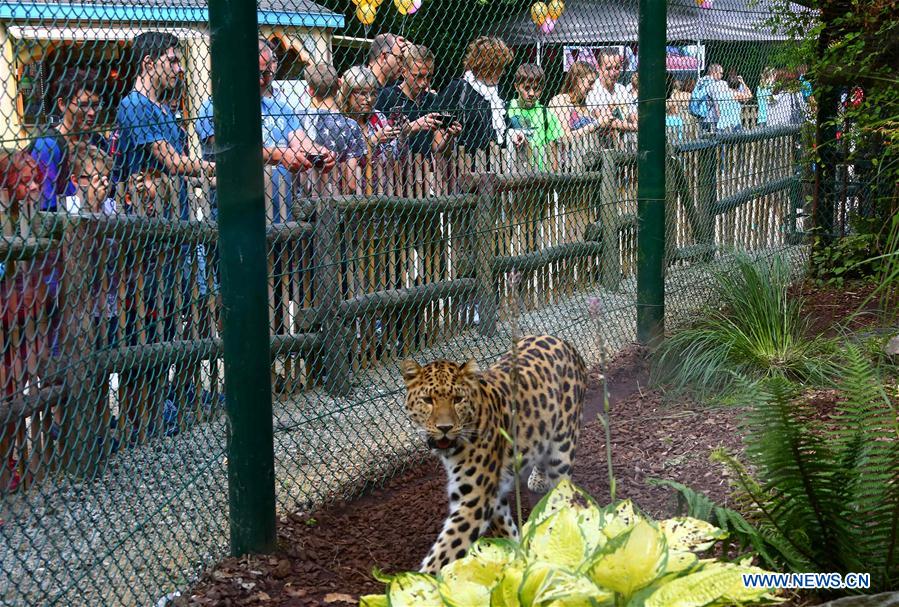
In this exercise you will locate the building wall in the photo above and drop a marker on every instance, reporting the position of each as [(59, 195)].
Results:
[(197, 65)]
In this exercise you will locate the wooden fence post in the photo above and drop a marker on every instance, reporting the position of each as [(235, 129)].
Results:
[(610, 273), (707, 197), (81, 403), (484, 238), (329, 294)]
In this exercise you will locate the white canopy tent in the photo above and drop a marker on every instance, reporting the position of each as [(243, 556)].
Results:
[(588, 22)]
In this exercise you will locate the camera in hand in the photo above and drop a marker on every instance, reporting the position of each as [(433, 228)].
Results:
[(317, 160), (397, 116)]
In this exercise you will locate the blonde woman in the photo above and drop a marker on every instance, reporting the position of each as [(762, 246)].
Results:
[(358, 91), (764, 92), (570, 105)]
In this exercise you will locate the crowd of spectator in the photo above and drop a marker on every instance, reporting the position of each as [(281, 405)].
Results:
[(372, 114)]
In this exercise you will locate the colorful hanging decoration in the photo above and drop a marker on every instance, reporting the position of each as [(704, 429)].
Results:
[(404, 6), (539, 13), (416, 4), (548, 26), (555, 9), (704, 3), (366, 12)]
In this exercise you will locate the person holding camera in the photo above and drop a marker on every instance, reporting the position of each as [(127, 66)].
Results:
[(409, 106), (284, 144), (329, 128), (475, 98)]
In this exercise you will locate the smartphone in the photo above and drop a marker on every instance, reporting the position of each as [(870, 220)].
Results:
[(317, 160)]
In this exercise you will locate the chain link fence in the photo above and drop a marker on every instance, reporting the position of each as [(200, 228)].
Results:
[(416, 153)]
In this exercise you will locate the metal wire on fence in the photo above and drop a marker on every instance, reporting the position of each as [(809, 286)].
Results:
[(415, 154)]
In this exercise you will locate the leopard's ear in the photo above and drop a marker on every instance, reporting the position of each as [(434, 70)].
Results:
[(409, 369), (470, 367)]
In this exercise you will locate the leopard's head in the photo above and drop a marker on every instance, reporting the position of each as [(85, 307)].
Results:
[(440, 401)]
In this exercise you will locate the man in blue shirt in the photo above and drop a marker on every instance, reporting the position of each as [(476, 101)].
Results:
[(284, 145), (151, 151), (150, 138)]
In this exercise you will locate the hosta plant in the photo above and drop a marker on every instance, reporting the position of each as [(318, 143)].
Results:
[(573, 553)]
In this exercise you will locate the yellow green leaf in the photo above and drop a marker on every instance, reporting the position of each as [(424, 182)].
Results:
[(459, 593), (564, 495), (568, 589), (373, 600), (505, 593), (413, 590), (679, 561), (590, 521), (494, 550), (535, 579), (473, 568), (622, 518), (632, 561), (685, 533), (718, 582), (558, 540)]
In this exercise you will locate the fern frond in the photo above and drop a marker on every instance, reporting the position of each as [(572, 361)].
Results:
[(800, 466), (865, 431), (792, 545)]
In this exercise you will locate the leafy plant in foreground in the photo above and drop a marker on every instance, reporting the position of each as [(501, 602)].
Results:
[(825, 493), (741, 534), (758, 331), (574, 553)]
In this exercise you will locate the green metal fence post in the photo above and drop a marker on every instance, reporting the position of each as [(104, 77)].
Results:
[(827, 147), (244, 270), (651, 172)]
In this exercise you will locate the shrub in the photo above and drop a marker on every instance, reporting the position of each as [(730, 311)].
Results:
[(758, 331), (574, 553)]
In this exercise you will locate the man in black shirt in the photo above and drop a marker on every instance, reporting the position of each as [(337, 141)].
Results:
[(410, 104), (385, 58)]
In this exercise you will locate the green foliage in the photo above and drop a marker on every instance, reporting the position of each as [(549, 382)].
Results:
[(574, 553), (853, 257), (825, 492), (758, 331), (858, 50), (888, 276)]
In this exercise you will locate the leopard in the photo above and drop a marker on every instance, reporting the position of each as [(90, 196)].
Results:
[(465, 415)]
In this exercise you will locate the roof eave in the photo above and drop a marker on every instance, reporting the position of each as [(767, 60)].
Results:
[(40, 11)]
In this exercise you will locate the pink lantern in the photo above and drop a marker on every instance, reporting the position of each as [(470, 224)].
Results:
[(548, 26), (416, 4)]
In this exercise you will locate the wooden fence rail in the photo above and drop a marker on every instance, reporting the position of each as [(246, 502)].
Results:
[(370, 265)]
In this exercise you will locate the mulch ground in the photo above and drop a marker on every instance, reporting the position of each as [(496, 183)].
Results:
[(852, 305), (327, 556)]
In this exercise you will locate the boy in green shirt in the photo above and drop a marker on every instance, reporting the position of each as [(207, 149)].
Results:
[(526, 114)]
